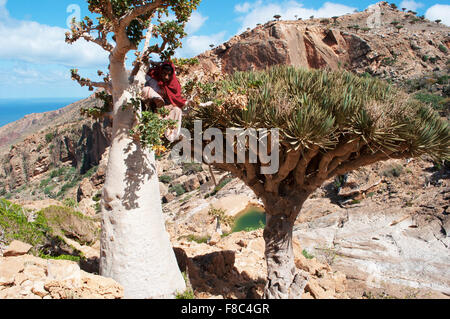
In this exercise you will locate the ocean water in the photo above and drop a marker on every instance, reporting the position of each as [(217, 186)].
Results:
[(14, 109)]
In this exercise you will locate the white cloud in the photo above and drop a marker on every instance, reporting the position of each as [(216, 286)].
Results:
[(242, 8), (29, 75), (195, 22), (4, 14), (260, 12), (439, 12), (39, 43), (33, 42), (411, 5), (196, 44)]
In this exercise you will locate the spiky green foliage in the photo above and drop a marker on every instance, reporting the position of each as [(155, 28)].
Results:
[(221, 214), (318, 107)]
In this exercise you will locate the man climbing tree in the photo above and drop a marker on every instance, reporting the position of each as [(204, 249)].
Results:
[(135, 247), (163, 89), (330, 123)]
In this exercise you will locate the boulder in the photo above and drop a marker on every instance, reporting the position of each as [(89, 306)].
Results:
[(168, 198), (64, 271), (29, 277), (9, 267), (85, 190), (17, 248), (218, 263)]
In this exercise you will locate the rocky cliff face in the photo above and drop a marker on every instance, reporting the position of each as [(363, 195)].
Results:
[(77, 145), (347, 42)]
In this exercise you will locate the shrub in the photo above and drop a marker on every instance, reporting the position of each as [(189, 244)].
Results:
[(60, 257), (191, 168), (15, 226), (307, 255), (221, 185), (45, 182), (165, 179), (66, 187), (434, 59), (179, 189), (443, 48), (434, 100), (49, 137), (393, 171), (443, 79), (197, 239), (189, 293), (57, 172), (70, 202), (90, 172), (97, 197)]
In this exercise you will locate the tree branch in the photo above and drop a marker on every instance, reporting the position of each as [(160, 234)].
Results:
[(79, 31), (289, 164), (257, 187), (138, 11), (300, 170), (87, 82), (100, 40), (340, 151), (140, 56), (367, 160)]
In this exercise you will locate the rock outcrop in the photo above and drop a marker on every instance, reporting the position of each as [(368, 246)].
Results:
[(379, 50), (67, 147), (27, 277)]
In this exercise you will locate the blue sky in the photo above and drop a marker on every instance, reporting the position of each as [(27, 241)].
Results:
[(35, 61)]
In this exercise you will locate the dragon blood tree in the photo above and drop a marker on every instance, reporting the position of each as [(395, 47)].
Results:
[(135, 247), (330, 123)]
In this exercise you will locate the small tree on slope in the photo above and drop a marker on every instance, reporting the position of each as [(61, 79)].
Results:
[(135, 247), (330, 123)]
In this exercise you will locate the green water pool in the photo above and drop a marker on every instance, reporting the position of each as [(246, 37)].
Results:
[(250, 219)]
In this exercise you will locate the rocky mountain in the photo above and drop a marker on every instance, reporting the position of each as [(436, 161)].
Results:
[(385, 229), (416, 51)]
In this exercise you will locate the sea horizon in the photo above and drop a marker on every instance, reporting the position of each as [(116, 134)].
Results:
[(13, 109)]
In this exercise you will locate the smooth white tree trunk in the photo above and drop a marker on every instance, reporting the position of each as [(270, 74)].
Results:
[(135, 247)]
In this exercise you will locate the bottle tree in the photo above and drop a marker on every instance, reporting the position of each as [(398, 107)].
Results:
[(330, 123), (135, 247)]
